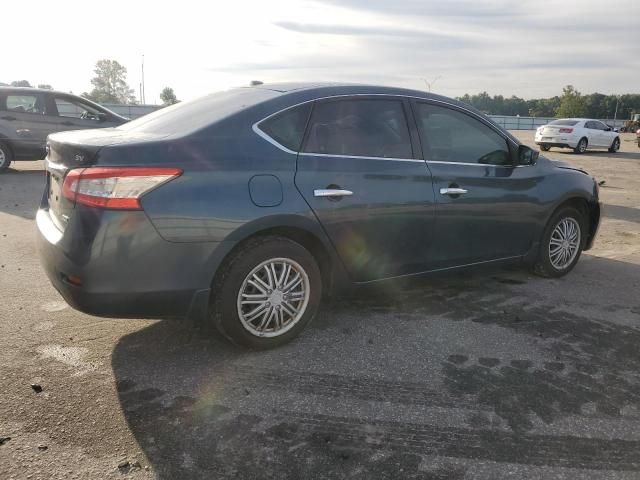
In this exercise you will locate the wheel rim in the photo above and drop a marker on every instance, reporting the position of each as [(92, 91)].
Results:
[(273, 297), (564, 243), (616, 144), (583, 146), (3, 157)]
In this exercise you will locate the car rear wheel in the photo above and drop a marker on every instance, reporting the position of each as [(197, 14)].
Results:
[(545, 148), (582, 146), (5, 157), (562, 243), (615, 146), (266, 293)]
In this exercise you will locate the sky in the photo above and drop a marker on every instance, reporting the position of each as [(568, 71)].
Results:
[(526, 48)]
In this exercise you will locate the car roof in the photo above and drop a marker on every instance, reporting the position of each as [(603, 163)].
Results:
[(317, 90), (34, 90)]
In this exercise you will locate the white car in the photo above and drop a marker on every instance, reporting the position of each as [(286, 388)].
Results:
[(577, 133)]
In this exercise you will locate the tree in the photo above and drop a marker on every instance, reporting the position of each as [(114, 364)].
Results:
[(20, 83), (46, 86), (572, 103), (110, 84), (168, 96)]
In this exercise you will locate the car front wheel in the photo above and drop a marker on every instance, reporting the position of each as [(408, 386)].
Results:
[(5, 157), (545, 148), (562, 243), (266, 293)]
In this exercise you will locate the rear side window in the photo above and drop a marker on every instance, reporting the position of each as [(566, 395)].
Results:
[(25, 104), (448, 135), (287, 128), (368, 128)]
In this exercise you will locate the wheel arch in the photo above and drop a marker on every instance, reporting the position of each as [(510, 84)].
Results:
[(299, 229), (589, 208)]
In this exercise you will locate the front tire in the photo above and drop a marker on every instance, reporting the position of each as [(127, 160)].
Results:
[(5, 157), (562, 243), (615, 146), (545, 148), (582, 145), (266, 293)]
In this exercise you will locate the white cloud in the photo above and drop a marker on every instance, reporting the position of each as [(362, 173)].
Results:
[(529, 48)]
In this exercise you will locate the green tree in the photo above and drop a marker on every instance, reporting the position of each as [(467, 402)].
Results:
[(572, 103), (168, 96), (20, 83), (110, 84)]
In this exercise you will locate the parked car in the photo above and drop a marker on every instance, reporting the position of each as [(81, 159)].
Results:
[(28, 115), (638, 136), (243, 207), (579, 134)]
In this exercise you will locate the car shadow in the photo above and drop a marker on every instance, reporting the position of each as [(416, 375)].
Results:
[(466, 368), (20, 192), (603, 154), (619, 212)]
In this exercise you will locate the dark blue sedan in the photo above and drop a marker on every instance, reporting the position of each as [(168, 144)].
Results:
[(243, 207)]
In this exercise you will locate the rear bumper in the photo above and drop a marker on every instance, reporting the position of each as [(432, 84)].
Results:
[(114, 264), (561, 142)]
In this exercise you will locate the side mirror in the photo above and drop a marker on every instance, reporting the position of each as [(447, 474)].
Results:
[(616, 130), (527, 156), (608, 129)]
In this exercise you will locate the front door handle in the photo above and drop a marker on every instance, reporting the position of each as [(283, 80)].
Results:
[(9, 117), (332, 192), (453, 191), (68, 124)]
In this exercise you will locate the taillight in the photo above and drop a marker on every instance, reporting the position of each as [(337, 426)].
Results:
[(114, 187), (566, 130)]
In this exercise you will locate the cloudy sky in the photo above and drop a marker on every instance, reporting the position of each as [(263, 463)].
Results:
[(529, 48)]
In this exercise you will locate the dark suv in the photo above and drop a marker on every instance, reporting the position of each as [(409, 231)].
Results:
[(28, 115)]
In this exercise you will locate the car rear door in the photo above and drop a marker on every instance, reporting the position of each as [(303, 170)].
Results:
[(486, 207), (372, 195)]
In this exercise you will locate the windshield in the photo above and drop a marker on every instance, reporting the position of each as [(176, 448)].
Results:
[(568, 123), (187, 117)]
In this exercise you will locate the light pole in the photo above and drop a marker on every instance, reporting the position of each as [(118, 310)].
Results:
[(142, 99), (615, 114), (430, 84)]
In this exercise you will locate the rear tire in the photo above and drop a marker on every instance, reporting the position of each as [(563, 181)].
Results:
[(545, 148), (282, 311), (582, 145), (551, 262), (615, 146), (5, 157)]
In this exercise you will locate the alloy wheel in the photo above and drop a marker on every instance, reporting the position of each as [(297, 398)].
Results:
[(582, 146), (3, 157), (273, 297), (564, 243)]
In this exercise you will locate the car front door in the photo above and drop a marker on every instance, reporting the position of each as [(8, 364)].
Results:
[(605, 134), (372, 195), (486, 207), (594, 134), (28, 121), (74, 114)]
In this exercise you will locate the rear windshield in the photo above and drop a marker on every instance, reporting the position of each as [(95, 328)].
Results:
[(188, 117), (568, 123)]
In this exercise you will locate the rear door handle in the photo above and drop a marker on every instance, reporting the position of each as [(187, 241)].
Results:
[(332, 192), (453, 191)]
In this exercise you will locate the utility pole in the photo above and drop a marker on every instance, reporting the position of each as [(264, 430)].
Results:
[(142, 96), (615, 115)]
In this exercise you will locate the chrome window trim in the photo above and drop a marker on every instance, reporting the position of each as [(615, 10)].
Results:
[(256, 128), (363, 157)]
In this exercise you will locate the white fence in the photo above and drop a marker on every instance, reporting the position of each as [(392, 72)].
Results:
[(132, 111), (531, 123)]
